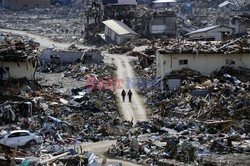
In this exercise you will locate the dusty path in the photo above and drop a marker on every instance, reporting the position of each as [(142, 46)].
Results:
[(99, 148), (130, 110)]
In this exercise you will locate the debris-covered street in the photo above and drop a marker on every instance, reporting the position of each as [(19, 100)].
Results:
[(124, 82)]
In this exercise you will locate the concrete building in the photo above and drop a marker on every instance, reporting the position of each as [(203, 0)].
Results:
[(118, 32), (205, 63), (25, 4), (163, 23), (227, 6), (213, 33), (164, 4)]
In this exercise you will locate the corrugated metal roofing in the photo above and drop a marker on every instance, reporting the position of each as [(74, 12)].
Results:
[(119, 27)]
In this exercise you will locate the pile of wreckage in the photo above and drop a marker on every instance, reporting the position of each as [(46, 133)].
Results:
[(46, 123), (240, 45), (205, 116)]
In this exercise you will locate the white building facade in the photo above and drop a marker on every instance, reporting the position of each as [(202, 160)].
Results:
[(204, 63)]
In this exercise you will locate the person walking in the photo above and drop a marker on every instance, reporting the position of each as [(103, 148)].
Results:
[(123, 95), (2, 72), (130, 95)]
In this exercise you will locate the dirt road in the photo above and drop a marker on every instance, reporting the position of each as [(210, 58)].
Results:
[(130, 110), (99, 148)]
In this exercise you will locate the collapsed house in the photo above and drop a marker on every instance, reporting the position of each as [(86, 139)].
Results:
[(25, 4), (118, 32), (212, 33), (18, 60), (70, 57), (204, 58)]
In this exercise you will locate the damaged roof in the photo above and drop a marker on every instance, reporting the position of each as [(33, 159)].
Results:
[(207, 29), (119, 27), (17, 50)]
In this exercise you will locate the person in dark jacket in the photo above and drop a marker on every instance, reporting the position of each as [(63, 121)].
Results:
[(1, 73), (123, 95), (130, 95)]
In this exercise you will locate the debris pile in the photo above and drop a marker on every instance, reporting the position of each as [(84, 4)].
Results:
[(60, 115), (206, 115), (240, 45)]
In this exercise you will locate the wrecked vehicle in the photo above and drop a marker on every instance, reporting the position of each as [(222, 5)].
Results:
[(20, 138)]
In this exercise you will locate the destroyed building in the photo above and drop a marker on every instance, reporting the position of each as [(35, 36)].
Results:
[(70, 56), (18, 60), (212, 33), (240, 23), (163, 22), (202, 57), (25, 4), (118, 32), (62, 57), (240, 20), (114, 9)]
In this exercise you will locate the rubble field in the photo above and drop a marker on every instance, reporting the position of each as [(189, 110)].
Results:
[(51, 114)]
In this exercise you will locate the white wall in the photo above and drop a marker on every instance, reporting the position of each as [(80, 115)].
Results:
[(119, 39), (204, 63), (125, 38), (155, 29), (24, 69)]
